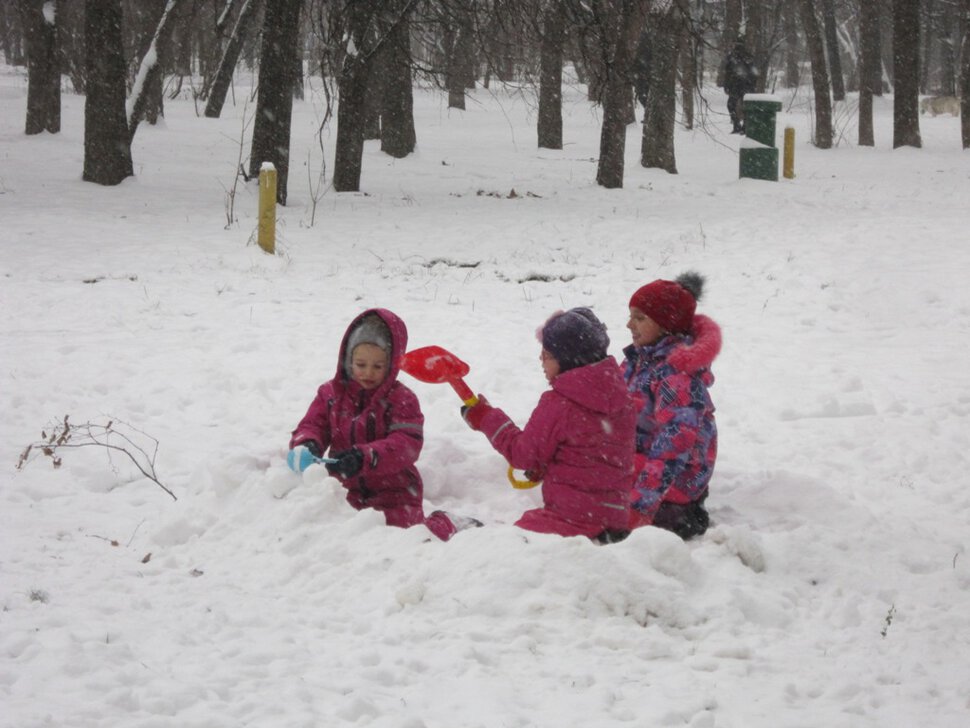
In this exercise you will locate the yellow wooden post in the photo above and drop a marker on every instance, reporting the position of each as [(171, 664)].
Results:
[(267, 208), (789, 162)]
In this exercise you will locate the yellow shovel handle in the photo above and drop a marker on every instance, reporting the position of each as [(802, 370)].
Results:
[(521, 484)]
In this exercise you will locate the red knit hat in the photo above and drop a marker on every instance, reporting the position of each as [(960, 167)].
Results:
[(670, 304)]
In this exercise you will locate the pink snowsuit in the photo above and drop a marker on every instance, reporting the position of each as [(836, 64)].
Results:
[(580, 437), (385, 424)]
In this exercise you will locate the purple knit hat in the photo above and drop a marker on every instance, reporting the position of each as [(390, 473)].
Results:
[(575, 338)]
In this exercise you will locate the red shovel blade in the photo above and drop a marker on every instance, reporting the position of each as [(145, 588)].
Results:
[(435, 365)]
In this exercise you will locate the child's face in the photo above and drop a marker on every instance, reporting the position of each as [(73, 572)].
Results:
[(550, 365), (368, 365), (644, 329)]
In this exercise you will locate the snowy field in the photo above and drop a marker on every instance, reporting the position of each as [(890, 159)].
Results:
[(833, 589)]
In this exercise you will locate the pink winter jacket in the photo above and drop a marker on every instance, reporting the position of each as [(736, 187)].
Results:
[(385, 424), (580, 436)]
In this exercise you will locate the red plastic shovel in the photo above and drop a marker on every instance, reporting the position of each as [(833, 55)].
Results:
[(435, 365)]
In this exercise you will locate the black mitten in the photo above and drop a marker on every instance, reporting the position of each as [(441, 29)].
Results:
[(349, 463)]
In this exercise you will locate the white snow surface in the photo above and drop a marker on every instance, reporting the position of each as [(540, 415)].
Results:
[(832, 590)]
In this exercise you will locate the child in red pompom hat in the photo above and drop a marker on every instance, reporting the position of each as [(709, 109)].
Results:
[(667, 369)]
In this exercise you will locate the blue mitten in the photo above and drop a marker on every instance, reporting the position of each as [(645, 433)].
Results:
[(300, 458)]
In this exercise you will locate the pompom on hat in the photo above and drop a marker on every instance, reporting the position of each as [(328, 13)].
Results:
[(575, 338), (671, 304)]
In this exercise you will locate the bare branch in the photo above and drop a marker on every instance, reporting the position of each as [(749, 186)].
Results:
[(65, 435)]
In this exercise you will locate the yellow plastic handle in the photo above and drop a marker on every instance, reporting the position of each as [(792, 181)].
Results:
[(521, 484)]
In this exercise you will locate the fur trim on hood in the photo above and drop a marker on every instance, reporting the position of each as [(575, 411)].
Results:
[(691, 358)]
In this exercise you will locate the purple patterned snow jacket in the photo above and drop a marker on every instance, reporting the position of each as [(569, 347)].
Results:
[(579, 437), (676, 435), (385, 424)]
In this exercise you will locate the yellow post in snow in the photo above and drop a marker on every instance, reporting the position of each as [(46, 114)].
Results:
[(266, 236), (788, 166)]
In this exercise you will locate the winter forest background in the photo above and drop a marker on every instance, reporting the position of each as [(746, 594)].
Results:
[(160, 567), (370, 54)]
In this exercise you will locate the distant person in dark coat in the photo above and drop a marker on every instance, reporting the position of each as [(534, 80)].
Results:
[(739, 79)]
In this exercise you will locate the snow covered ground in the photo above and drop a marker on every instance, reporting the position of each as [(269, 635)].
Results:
[(833, 589)]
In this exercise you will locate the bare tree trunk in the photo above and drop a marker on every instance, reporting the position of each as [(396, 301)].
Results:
[(549, 126), (869, 77), (200, 28), (756, 38), (657, 145), (352, 91), (949, 49), (398, 137), (142, 20), (43, 68), (70, 43), (906, 74), (298, 76), (348, 159), (220, 87), (622, 22), (374, 96), (928, 14), (274, 104), (792, 46), (688, 76), (820, 77), (732, 31), (832, 45), (887, 67), (457, 44), (107, 144), (12, 35), (147, 90), (965, 78)]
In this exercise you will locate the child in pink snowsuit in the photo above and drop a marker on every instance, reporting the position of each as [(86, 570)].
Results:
[(668, 371), (372, 425), (578, 439)]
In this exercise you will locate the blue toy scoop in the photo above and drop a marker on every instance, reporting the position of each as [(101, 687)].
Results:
[(300, 458)]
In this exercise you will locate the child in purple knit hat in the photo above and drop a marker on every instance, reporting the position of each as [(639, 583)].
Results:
[(578, 439)]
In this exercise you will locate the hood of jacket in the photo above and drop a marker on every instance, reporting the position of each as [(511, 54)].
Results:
[(399, 343), (598, 387), (687, 353)]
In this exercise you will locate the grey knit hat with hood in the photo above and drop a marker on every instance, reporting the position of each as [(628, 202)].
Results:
[(370, 330)]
